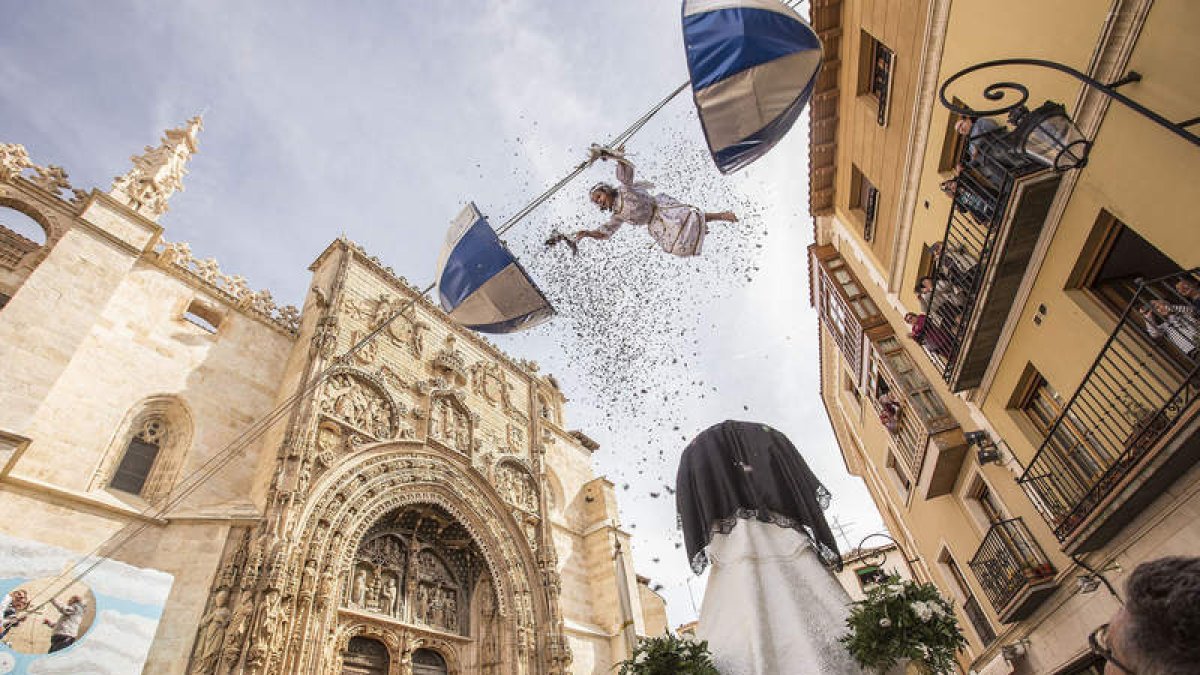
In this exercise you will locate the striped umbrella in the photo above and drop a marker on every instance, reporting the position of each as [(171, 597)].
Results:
[(753, 64), (481, 285)]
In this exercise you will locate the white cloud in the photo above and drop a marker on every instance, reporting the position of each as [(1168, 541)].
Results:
[(117, 644)]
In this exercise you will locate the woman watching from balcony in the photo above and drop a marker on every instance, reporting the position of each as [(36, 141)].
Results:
[(934, 338), (889, 412)]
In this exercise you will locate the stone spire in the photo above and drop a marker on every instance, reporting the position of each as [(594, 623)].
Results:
[(158, 172)]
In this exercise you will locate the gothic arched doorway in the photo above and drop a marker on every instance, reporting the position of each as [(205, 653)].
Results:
[(366, 656), (429, 662)]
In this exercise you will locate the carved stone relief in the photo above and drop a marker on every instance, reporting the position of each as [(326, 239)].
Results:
[(351, 400), (516, 486)]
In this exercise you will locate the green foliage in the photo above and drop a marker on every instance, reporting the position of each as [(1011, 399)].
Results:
[(669, 655), (903, 620)]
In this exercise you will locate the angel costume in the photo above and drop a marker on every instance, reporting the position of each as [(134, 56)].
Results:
[(749, 505), (678, 228)]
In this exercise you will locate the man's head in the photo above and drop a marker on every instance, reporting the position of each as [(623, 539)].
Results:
[(1186, 287), (924, 285), (963, 126), (910, 318), (1155, 632), (75, 599)]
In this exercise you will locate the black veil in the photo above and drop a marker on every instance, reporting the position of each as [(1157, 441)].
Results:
[(735, 470)]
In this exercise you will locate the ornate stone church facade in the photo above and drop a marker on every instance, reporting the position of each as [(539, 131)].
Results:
[(413, 506)]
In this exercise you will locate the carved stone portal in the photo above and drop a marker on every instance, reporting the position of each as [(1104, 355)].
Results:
[(417, 565)]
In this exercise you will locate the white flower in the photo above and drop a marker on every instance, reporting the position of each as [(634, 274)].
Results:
[(923, 610), (885, 622), (895, 589)]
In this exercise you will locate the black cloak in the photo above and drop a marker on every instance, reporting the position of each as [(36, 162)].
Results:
[(736, 470)]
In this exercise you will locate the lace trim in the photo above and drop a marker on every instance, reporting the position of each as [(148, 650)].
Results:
[(726, 525)]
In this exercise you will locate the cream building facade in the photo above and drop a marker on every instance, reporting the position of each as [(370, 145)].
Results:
[(416, 505), (1039, 437)]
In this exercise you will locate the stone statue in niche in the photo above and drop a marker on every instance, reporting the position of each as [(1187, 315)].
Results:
[(450, 425), (359, 596), (212, 632), (348, 399), (389, 598)]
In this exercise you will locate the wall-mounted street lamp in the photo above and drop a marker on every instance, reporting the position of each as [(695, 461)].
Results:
[(912, 573), (1047, 133)]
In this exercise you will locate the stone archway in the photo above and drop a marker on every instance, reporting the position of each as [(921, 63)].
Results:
[(351, 515), (429, 662), (366, 656)]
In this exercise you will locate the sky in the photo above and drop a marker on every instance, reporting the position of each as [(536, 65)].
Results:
[(379, 120)]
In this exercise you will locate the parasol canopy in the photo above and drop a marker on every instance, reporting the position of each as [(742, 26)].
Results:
[(481, 285), (753, 64)]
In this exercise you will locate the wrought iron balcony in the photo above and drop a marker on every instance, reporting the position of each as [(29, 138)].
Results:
[(979, 621), (1000, 201), (1131, 428), (1013, 570)]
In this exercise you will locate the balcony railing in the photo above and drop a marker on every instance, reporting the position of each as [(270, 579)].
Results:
[(1000, 200), (907, 405), (1131, 427), (979, 621), (1013, 570)]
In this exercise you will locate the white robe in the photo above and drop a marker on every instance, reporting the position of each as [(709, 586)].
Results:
[(678, 228), (771, 607)]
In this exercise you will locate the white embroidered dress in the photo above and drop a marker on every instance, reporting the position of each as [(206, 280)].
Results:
[(678, 228), (771, 607)]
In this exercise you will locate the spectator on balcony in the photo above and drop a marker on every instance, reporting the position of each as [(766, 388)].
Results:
[(986, 150), (954, 263), (889, 412), (1176, 322), (942, 297), (966, 200), (1155, 631), (932, 337), (1187, 288)]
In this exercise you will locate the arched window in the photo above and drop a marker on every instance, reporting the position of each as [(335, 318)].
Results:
[(148, 452), (143, 449)]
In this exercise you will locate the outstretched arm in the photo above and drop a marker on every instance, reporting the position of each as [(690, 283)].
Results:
[(605, 231)]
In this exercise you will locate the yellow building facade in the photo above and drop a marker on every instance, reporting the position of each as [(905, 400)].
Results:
[(1038, 435), (258, 497)]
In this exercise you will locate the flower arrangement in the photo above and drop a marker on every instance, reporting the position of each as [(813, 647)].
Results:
[(901, 619), (669, 655)]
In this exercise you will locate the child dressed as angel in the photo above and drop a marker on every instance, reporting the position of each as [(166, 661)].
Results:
[(678, 228)]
